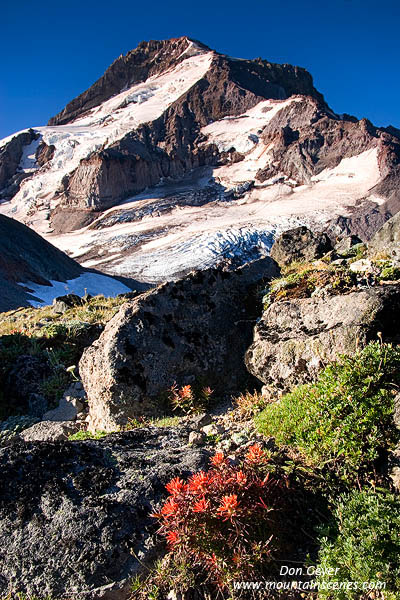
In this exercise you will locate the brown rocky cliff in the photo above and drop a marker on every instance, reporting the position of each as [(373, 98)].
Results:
[(169, 146), (261, 77)]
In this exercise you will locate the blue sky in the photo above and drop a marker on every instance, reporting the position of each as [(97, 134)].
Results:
[(52, 51)]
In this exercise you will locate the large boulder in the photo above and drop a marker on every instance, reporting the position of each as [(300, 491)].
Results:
[(23, 384), (295, 338), (49, 431), (197, 328), (300, 244), (75, 516), (387, 239)]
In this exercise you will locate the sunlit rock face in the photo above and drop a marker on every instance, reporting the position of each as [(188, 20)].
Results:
[(179, 157)]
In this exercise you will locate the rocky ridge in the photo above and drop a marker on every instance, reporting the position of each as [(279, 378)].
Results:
[(32, 269)]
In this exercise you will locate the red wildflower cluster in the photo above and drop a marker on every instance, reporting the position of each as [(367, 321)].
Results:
[(187, 400), (20, 332), (256, 455), (218, 519), (176, 486)]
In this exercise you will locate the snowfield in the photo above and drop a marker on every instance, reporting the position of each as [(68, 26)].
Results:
[(242, 132), (100, 128), (87, 283), (157, 234), (160, 247)]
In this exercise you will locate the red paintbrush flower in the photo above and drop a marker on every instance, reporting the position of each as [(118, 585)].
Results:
[(170, 508), (229, 507), (199, 482), (173, 538), (185, 392), (241, 478), (176, 486), (256, 455), (218, 460), (201, 506)]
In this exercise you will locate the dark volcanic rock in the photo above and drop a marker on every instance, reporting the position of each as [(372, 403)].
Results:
[(49, 431), (198, 327), (44, 153), (74, 516), (296, 338), (300, 244), (10, 157), (23, 384), (26, 256), (62, 303)]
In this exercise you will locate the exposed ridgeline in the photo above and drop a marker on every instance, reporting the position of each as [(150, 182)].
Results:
[(27, 257), (243, 148), (256, 77), (171, 144), (34, 272)]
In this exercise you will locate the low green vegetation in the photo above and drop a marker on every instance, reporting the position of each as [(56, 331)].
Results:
[(56, 340), (301, 280), (390, 273), (344, 421), (80, 436), (341, 429), (166, 422), (362, 544)]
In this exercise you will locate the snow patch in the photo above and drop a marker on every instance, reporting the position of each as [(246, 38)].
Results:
[(87, 283), (28, 162), (242, 132), (100, 128)]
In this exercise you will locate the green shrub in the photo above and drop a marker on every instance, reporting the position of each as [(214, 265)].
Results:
[(80, 436), (390, 273), (345, 419), (363, 544)]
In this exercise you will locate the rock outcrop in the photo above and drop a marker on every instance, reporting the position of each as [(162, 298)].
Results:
[(156, 56), (48, 431), (196, 328), (74, 516), (300, 244), (10, 158), (294, 339), (386, 241)]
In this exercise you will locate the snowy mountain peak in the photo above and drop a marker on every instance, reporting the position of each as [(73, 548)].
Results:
[(178, 157), (149, 59)]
